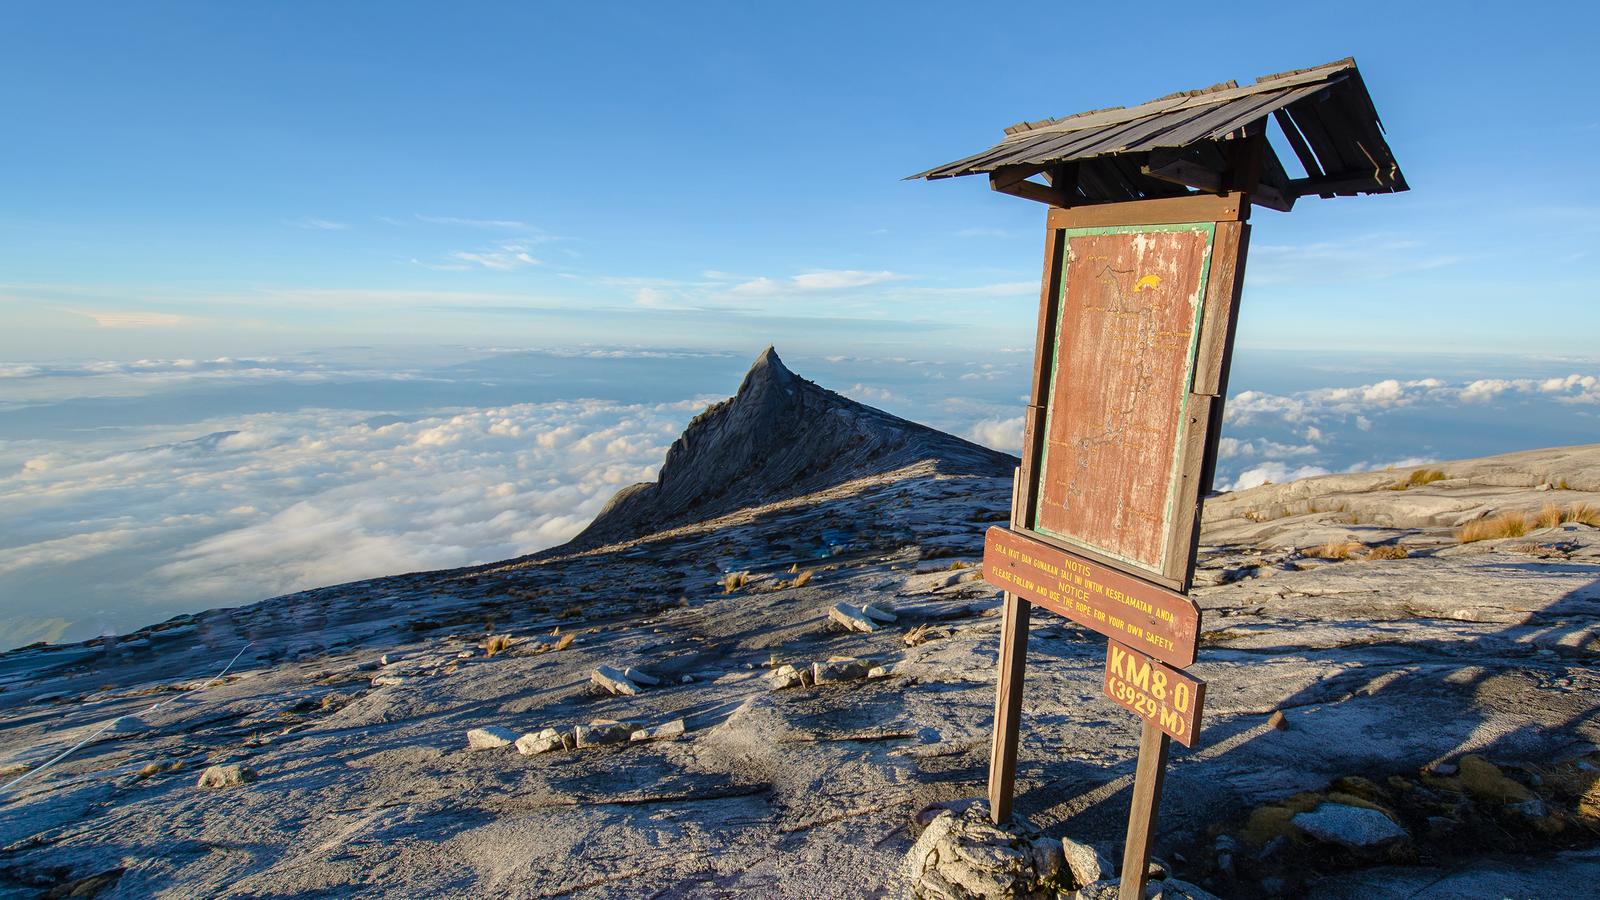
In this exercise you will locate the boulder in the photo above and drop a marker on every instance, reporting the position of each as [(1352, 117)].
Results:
[(230, 775), (490, 738), (1353, 827), (543, 742), (962, 855)]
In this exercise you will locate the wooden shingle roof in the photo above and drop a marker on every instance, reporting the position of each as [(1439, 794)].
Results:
[(1168, 146)]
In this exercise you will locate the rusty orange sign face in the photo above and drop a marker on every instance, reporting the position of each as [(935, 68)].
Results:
[(1163, 696), (1157, 621)]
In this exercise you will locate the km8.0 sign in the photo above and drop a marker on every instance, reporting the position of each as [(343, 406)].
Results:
[(1163, 696)]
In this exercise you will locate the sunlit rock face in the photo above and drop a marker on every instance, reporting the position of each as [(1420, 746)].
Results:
[(780, 436)]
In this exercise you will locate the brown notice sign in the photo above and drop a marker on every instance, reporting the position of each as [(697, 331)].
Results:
[(1152, 619), (1165, 697)]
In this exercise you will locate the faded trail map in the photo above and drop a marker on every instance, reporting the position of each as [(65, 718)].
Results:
[(1126, 318)]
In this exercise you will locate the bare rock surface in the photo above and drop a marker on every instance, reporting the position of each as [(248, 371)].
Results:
[(1386, 673)]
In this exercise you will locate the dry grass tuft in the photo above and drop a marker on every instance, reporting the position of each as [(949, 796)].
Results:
[(1505, 525), (497, 644), (1549, 517), (1583, 514), (1388, 551), (802, 579), (734, 581), (566, 640), (1418, 478), (793, 568), (1337, 550)]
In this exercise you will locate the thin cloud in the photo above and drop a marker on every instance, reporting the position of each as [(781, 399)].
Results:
[(315, 224), (133, 318)]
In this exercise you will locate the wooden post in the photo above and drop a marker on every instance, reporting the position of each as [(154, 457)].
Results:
[(1147, 780), (1013, 662), (1008, 706)]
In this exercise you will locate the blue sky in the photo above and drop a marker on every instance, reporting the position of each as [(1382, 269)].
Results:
[(224, 179)]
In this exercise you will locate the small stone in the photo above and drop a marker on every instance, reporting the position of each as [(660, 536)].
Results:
[(878, 672), (835, 671), (1443, 769), (852, 618), (390, 659), (687, 679), (466, 654), (784, 676), (1085, 863), (614, 681), (569, 740), (638, 677), (388, 680), (490, 738), (874, 611), (663, 732), (1356, 827), (230, 775), (542, 742), (601, 732)]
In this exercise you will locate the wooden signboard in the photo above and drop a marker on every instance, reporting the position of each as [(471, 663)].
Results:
[(1163, 696), (1159, 622), (1135, 322)]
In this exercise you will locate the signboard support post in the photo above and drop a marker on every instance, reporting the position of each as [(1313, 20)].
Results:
[(1008, 706), (1152, 771)]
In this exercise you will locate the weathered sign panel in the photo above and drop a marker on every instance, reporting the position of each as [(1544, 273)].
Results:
[(1162, 696), (1128, 315), (1164, 624)]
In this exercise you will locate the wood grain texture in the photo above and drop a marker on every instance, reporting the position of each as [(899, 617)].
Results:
[(1126, 321), (1164, 211), (1152, 771)]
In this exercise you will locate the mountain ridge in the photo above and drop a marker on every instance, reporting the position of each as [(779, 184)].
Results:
[(779, 436)]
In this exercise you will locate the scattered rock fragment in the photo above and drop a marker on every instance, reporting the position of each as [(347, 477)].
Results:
[(663, 732), (1278, 721), (878, 613), (489, 738), (1086, 864), (614, 681), (784, 676), (638, 677), (230, 775), (839, 669), (543, 742), (388, 680), (852, 618), (603, 731)]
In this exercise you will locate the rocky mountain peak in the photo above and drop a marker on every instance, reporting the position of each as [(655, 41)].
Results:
[(780, 436)]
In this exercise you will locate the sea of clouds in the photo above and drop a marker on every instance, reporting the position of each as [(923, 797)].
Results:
[(133, 491)]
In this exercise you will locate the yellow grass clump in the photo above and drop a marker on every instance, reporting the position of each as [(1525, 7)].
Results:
[(1337, 550), (734, 581), (1505, 525), (801, 579), (1387, 551), (1418, 478), (497, 644)]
